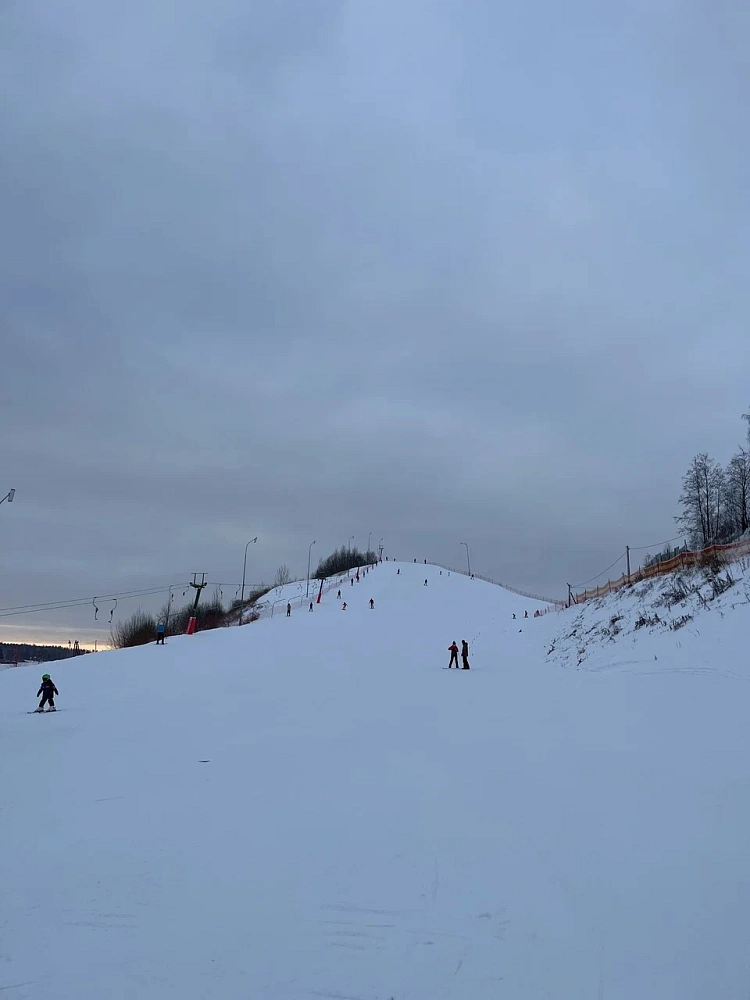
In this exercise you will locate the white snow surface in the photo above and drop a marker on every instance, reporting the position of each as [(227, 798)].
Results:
[(312, 807)]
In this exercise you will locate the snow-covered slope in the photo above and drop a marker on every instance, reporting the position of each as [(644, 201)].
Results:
[(312, 807)]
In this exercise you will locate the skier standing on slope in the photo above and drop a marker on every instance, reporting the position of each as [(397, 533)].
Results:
[(464, 654), (454, 654), (160, 630), (289, 611), (48, 692), (372, 604)]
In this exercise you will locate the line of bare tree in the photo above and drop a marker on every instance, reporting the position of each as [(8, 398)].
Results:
[(715, 501)]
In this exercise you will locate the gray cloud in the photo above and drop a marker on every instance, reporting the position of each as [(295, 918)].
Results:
[(444, 272)]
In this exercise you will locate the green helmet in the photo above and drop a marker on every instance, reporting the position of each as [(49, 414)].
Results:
[(45, 677)]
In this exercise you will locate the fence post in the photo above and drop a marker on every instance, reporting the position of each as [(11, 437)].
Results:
[(627, 556)]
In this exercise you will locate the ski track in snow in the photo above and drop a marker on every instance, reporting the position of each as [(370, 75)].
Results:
[(321, 811)]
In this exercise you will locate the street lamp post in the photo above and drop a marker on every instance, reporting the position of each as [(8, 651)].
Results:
[(9, 496), (244, 567), (309, 553), (380, 547), (468, 560), (369, 539), (349, 543)]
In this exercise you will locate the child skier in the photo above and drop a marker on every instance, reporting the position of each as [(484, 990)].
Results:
[(454, 654), (48, 692)]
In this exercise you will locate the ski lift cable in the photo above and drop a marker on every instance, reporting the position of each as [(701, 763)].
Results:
[(657, 545), (585, 582), (78, 602)]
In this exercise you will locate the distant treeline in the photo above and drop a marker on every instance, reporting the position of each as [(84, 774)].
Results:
[(342, 560), (12, 652), (715, 501)]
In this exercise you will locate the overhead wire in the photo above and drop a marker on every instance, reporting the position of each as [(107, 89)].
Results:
[(656, 545), (77, 602), (585, 582), (23, 609)]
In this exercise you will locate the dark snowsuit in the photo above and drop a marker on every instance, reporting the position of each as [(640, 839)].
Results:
[(454, 655), (48, 691), (465, 654), (289, 611)]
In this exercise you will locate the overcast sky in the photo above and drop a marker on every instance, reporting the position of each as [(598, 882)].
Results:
[(444, 271)]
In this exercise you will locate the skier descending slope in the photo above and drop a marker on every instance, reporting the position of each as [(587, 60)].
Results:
[(48, 692)]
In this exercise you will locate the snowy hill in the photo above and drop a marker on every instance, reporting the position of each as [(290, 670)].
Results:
[(312, 807)]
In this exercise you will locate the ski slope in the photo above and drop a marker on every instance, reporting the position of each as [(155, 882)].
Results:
[(312, 807)]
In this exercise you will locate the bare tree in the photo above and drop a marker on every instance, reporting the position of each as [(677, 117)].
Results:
[(738, 492), (702, 501), (283, 576)]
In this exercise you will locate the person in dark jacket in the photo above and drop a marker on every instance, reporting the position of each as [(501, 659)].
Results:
[(289, 611), (48, 692), (464, 654), (454, 654)]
